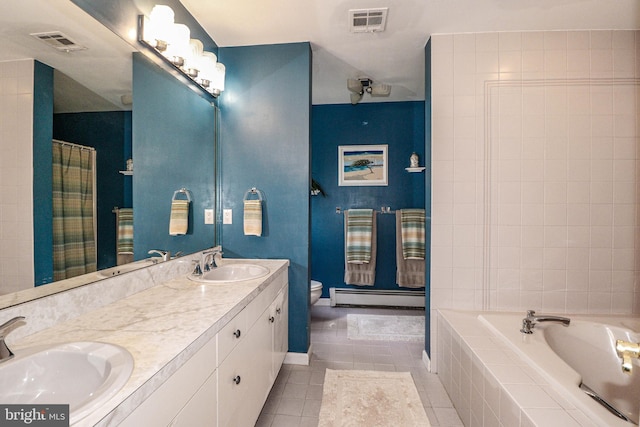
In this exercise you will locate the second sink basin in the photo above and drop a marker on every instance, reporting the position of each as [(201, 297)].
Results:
[(232, 273), (81, 374)]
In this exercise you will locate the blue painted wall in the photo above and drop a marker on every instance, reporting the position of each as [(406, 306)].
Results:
[(265, 143), (174, 133), (400, 125), (109, 133), (42, 174)]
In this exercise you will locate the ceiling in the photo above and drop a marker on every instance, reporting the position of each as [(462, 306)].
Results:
[(394, 56)]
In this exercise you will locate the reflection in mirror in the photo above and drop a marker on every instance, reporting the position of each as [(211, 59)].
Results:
[(36, 86), (73, 95)]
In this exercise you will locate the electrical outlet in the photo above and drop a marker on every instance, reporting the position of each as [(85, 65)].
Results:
[(208, 216), (227, 216)]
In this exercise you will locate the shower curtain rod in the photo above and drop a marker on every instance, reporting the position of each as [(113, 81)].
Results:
[(71, 144)]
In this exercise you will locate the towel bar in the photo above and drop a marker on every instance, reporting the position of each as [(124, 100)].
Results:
[(383, 210)]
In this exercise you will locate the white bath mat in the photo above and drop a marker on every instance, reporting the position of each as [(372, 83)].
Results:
[(371, 399), (388, 328)]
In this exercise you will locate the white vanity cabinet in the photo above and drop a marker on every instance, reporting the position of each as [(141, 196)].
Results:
[(279, 331), (174, 400), (246, 375), (227, 381)]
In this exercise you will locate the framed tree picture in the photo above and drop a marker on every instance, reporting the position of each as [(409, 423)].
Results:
[(360, 165)]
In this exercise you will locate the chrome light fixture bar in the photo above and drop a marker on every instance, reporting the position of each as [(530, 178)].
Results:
[(171, 42)]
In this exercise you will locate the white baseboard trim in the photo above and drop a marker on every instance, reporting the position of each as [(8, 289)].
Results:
[(426, 360), (324, 301), (298, 358)]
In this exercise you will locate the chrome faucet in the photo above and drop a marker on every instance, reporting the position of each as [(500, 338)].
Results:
[(529, 322), (5, 328), (166, 255), (209, 258)]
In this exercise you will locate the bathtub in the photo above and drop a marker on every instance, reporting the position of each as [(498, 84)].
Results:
[(579, 361)]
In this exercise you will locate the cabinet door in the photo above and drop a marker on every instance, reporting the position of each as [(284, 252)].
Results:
[(170, 398), (202, 409), (237, 385), (280, 331)]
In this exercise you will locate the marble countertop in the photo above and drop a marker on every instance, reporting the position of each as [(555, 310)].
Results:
[(162, 327)]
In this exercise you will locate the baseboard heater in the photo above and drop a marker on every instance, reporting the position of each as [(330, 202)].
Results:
[(376, 298)]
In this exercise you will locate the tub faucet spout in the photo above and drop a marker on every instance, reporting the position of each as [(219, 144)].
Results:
[(530, 321)]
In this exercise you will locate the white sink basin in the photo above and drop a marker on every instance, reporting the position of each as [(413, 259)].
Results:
[(81, 374), (232, 273)]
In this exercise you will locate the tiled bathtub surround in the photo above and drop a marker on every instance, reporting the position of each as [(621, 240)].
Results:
[(490, 385), (535, 172)]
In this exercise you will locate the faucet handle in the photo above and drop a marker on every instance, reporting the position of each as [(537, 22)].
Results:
[(197, 271), (627, 350), (527, 325), (531, 313)]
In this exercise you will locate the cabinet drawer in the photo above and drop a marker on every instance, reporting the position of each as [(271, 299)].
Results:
[(232, 334)]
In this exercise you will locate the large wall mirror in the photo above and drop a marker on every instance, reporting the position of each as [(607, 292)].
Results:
[(92, 91)]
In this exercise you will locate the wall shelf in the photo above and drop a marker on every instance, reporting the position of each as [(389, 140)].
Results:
[(414, 170)]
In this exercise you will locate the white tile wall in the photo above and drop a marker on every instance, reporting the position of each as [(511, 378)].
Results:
[(536, 167), (16, 176)]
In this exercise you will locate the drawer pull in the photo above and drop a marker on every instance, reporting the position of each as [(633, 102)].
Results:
[(237, 333), (272, 319), (237, 379)]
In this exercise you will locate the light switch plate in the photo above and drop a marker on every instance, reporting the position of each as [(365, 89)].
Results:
[(208, 216), (227, 216)]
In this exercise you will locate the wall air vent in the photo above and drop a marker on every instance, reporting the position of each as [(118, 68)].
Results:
[(367, 20), (58, 40)]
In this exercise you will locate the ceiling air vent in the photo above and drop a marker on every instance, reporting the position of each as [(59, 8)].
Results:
[(58, 40), (367, 20)]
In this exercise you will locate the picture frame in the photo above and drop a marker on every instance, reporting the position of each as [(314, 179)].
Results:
[(363, 165)]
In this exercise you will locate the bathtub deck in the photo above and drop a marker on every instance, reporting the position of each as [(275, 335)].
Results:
[(490, 384)]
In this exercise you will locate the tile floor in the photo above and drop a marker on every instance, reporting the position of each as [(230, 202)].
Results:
[(296, 396)]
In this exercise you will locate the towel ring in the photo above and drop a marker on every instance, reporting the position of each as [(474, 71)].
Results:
[(182, 191), (251, 192)]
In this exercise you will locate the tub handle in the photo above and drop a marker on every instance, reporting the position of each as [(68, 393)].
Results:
[(627, 350)]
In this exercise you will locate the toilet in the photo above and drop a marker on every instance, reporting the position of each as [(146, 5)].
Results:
[(316, 291)]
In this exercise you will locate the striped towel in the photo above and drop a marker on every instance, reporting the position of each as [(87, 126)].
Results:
[(125, 230), (359, 234), (413, 233), (179, 221), (253, 217)]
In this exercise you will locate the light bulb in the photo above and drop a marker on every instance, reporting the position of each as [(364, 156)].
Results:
[(207, 68), (158, 32), (193, 59), (217, 83), (178, 47)]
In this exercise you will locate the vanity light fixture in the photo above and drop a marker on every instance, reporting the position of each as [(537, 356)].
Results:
[(172, 43)]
